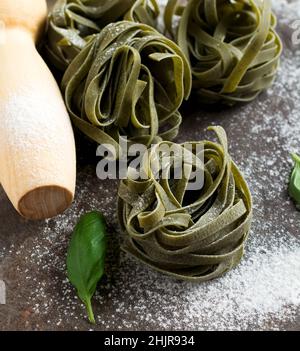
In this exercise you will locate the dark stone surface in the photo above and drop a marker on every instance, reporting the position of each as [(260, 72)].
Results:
[(32, 256)]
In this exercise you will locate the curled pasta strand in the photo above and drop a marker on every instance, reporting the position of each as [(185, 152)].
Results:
[(191, 236), (129, 80), (71, 23), (232, 46)]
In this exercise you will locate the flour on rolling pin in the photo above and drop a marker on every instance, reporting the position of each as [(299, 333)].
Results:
[(28, 137), (2, 33), (37, 147)]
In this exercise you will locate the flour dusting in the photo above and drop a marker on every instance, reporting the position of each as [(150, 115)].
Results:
[(262, 293)]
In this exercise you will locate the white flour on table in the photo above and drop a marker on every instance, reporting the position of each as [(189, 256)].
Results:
[(263, 292)]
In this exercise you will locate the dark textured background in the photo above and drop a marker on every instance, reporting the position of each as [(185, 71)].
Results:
[(27, 268)]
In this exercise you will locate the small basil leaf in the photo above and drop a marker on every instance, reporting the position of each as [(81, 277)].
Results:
[(294, 188), (86, 257)]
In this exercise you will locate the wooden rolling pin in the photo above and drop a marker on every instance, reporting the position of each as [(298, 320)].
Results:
[(37, 148)]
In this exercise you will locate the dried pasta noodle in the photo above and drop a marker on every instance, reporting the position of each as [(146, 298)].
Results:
[(129, 80), (194, 237), (232, 46), (72, 22)]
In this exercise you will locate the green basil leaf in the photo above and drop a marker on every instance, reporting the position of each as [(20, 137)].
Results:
[(294, 188), (86, 257)]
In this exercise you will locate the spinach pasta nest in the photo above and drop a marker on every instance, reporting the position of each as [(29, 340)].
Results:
[(190, 234), (72, 22), (232, 46), (128, 81)]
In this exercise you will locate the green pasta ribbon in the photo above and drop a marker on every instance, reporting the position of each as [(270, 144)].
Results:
[(128, 81), (188, 234), (71, 23), (232, 46)]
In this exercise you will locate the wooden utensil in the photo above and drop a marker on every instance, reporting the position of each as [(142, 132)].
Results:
[(37, 148)]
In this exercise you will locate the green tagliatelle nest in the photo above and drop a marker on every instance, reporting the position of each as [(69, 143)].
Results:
[(128, 81), (189, 234), (72, 22), (232, 46)]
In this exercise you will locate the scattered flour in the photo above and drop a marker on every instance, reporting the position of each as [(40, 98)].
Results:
[(34, 141), (263, 292)]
